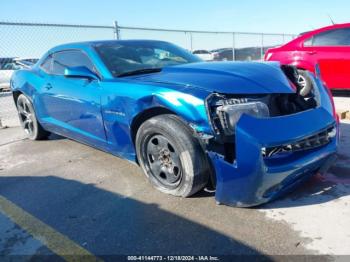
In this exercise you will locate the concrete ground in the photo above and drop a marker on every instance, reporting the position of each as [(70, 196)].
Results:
[(8, 112), (343, 106), (62, 198)]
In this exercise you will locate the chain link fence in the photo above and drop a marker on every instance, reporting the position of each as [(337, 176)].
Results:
[(23, 43), (238, 46)]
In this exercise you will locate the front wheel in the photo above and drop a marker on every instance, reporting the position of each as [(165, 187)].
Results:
[(28, 120), (171, 158)]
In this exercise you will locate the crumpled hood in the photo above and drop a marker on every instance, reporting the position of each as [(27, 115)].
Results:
[(225, 77)]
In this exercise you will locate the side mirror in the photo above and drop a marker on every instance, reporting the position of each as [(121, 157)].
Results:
[(80, 72)]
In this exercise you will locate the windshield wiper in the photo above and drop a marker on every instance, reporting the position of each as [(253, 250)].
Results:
[(140, 72)]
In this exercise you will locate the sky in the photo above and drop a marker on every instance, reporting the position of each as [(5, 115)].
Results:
[(268, 16), (275, 16)]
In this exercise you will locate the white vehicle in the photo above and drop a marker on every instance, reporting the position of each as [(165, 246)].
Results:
[(8, 65), (204, 54)]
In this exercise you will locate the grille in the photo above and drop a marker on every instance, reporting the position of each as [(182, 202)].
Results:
[(320, 139)]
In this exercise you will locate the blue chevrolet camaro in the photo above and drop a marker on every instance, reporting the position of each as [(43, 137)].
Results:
[(243, 129)]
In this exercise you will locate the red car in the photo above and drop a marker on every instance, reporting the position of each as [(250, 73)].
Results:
[(328, 46)]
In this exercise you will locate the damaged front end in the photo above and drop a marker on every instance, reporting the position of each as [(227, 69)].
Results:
[(265, 144)]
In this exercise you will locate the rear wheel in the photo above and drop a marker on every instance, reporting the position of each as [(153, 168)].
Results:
[(171, 158), (28, 120)]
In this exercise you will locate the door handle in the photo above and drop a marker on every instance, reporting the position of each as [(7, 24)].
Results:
[(48, 86), (312, 52)]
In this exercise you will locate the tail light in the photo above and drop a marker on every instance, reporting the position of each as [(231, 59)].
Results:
[(268, 56)]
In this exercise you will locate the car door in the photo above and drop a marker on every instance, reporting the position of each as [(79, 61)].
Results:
[(331, 50), (72, 105)]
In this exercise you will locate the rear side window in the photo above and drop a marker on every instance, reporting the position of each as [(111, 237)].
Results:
[(46, 65), (309, 42), (336, 37), (69, 58)]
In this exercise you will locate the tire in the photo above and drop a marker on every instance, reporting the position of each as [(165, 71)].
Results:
[(305, 82), (28, 120), (171, 157)]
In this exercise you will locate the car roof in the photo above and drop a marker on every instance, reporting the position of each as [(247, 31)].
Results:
[(303, 36), (24, 58), (326, 28), (7, 58), (83, 45)]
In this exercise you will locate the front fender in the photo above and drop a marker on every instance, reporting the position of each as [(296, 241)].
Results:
[(191, 108), (120, 109)]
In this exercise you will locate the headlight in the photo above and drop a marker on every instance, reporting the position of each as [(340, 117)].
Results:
[(230, 114)]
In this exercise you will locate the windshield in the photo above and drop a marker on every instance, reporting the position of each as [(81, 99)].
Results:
[(122, 57)]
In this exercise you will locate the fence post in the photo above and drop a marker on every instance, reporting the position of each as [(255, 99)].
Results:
[(233, 47), (191, 41), (116, 30), (262, 47)]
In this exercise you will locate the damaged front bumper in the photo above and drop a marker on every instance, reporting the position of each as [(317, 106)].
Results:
[(253, 178)]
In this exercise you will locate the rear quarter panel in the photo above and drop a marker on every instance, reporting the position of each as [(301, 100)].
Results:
[(29, 83), (291, 57)]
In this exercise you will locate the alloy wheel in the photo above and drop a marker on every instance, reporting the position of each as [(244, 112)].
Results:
[(26, 116)]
